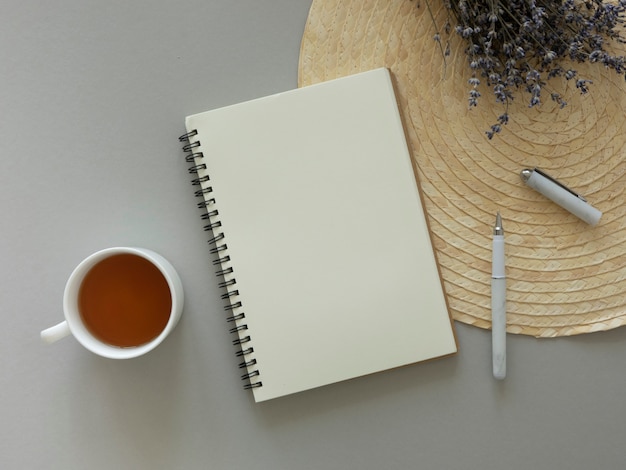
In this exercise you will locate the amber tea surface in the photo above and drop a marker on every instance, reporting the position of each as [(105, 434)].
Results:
[(125, 300)]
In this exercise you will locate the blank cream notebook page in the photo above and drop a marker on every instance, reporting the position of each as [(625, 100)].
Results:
[(320, 233)]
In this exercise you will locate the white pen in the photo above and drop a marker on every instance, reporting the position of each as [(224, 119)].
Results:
[(498, 302)]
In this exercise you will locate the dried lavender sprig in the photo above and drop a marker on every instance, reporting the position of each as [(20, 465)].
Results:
[(520, 44)]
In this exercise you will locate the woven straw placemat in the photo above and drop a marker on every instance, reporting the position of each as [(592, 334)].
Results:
[(564, 276)]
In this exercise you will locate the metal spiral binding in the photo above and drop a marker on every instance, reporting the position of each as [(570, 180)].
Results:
[(219, 248)]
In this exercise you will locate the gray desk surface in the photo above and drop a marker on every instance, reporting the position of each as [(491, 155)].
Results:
[(92, 99)]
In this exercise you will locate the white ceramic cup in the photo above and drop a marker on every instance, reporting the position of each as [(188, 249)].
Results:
[(73, 322)]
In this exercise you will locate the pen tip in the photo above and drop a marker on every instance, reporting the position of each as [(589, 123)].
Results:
[(497, 229)]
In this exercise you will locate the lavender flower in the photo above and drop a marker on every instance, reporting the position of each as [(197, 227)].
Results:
[(517, 45)]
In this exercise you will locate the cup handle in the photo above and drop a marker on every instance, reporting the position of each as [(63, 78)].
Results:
[(55, 333)]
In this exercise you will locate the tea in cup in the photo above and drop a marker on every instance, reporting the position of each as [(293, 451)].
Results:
[(120, 303)]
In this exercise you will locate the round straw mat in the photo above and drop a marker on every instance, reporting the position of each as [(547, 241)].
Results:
[(564, 277)]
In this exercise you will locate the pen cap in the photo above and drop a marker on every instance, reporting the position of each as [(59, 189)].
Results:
[(561, 196)]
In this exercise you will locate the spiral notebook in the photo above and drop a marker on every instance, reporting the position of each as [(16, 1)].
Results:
[(321, 243)]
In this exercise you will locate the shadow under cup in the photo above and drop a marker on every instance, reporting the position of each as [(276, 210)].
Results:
[(123, 302)]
